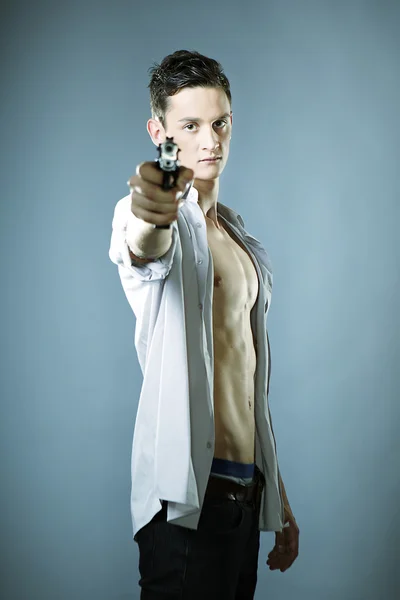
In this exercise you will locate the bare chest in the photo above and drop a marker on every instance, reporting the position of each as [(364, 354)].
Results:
[(235, 277)]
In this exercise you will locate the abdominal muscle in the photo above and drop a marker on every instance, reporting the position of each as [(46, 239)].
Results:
[(234, 367), (235, 293)]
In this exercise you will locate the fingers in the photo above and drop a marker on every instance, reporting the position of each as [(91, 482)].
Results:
[(149, 201), (281, 561), (161, 200), (149, 171), (285, 551)]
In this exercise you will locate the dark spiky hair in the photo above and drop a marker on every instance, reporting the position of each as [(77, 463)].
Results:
[(183, 68)]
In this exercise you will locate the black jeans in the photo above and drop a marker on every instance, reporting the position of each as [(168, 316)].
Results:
[(218, 561)]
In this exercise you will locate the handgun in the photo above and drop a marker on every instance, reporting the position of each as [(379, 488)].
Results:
[(167, 161)]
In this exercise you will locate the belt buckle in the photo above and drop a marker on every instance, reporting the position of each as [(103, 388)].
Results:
[(241, 495), (237, 496)]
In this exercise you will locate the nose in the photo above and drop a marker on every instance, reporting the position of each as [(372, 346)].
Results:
[(209, 140)]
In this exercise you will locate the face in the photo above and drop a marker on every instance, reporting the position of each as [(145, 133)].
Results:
[(200, 121)]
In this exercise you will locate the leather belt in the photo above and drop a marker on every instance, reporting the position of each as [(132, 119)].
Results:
[(227, 488)]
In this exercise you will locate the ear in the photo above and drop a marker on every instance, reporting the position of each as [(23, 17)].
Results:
[(156, 131)]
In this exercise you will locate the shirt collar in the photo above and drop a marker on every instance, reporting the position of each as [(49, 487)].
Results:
[(192, 195)]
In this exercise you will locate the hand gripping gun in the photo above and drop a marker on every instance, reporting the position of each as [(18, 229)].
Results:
[(169, 164)]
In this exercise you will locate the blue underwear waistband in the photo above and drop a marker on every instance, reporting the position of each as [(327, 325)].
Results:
[(230, 467)]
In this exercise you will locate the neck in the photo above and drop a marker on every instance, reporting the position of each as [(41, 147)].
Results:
[(208, 197)]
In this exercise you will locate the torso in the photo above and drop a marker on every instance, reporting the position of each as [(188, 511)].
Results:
[(235, 293)]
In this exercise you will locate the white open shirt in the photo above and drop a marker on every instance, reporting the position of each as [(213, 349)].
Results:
[(173, 439)]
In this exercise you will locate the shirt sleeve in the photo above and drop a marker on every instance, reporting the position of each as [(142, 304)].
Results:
[(119, 249)]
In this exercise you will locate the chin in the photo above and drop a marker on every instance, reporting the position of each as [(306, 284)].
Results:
[(208, 172)]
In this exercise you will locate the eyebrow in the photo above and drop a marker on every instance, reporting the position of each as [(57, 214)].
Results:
[(198, 120)]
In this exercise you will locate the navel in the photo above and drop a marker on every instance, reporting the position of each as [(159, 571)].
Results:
[(217, 280)]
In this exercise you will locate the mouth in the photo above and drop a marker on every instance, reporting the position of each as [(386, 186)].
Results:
[(211, 160)]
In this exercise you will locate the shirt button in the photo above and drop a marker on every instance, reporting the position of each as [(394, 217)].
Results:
[(208, 444), (198, 225), (199, 262)]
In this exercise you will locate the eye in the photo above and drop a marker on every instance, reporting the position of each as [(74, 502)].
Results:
[(221, 121), (189, 125)]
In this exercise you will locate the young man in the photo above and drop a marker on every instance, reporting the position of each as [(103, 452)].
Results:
[(205, 476)]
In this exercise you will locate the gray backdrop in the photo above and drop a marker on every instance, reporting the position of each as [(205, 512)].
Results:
[(314, 171)]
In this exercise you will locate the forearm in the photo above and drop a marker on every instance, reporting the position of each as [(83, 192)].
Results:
[(288, 510), (144, 240)]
